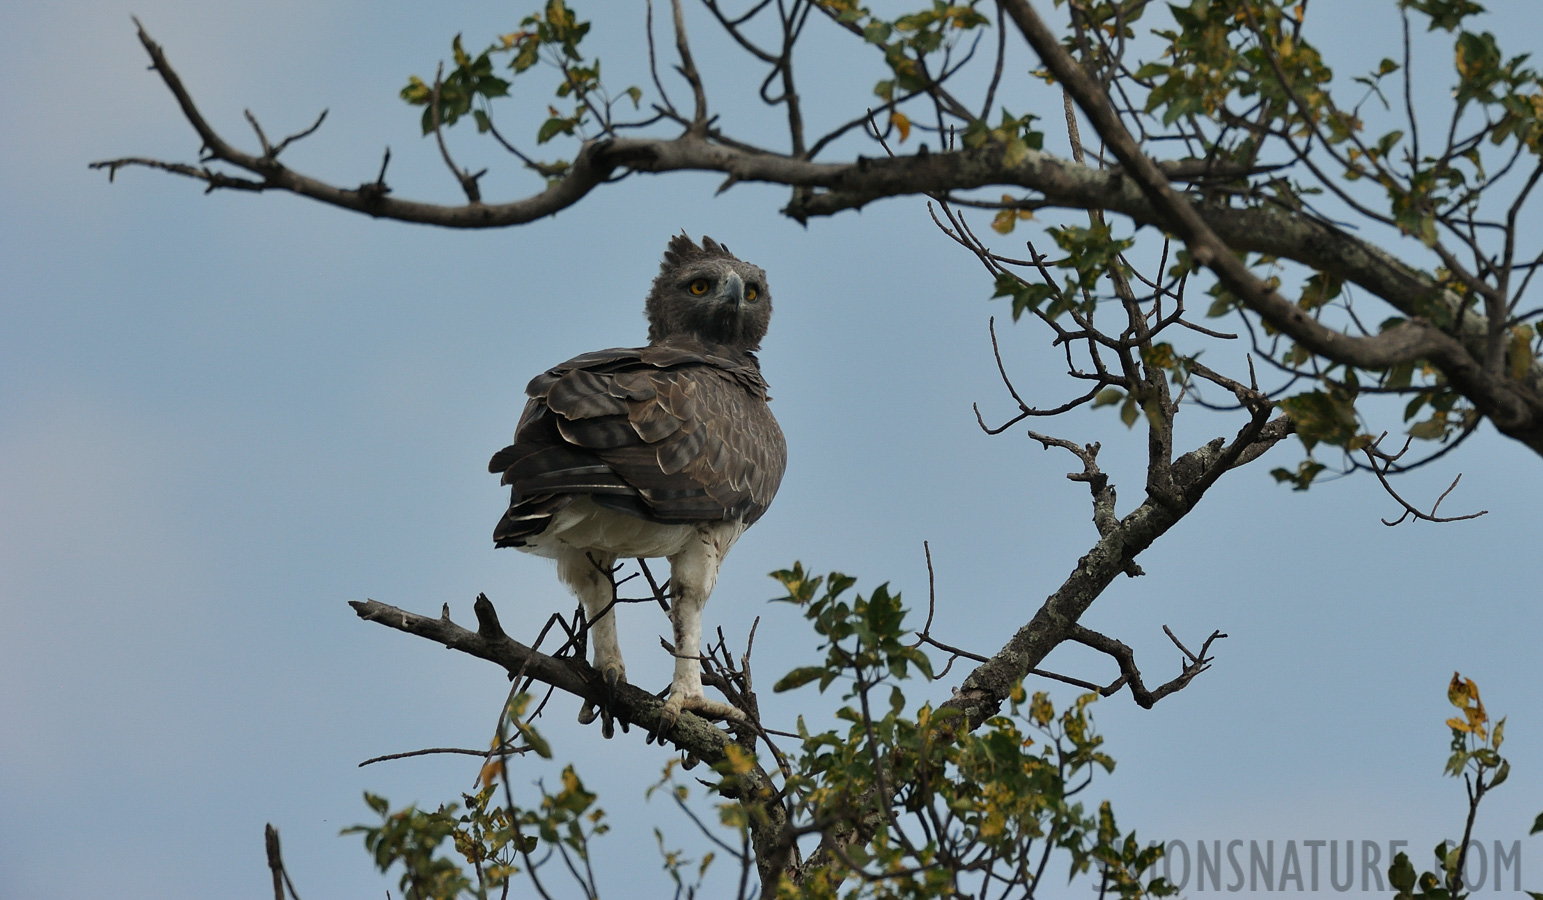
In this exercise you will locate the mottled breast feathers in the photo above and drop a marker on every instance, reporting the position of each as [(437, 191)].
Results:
[(674, 432)]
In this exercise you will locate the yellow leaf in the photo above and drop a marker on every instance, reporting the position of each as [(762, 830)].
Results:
[(900, 121), (492, 770), (740, 762), (1519, 351), (1459, 690), (1015, 151)]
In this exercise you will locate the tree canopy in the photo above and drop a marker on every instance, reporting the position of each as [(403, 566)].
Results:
[(1375, 276)]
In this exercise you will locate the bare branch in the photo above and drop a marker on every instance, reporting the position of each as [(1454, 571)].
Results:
[(276, 865), (1193, 665), (688, 70), (1373, 454), (489, 642), (430, 751)]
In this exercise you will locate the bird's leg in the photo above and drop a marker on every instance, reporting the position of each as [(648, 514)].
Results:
[(589, 575), (693, 573)]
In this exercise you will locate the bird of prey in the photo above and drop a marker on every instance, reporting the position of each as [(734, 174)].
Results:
[(667, 450)]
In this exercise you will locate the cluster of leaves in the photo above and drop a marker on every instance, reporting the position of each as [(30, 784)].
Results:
[(1239, 82), (905, 42), (1016, 135), (906, 805), (917, 806), (942, 809), (1226, 51), (490, 837), (1092, 254), (472, 83), (1476, 759)]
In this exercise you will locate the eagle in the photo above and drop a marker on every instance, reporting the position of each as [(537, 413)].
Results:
[(668, 450)]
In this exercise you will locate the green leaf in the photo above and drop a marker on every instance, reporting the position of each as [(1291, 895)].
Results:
[(1319, 290), (553, 127), (1401, 874), (1501, 774), (1015, 152), (534, 739), (1537, 825), (1108, 397), (526, 57), (798, 678), (1300, 479), (1224, 303), (1129, 412), (1025, 296), (1432, 429), (1329, 417)]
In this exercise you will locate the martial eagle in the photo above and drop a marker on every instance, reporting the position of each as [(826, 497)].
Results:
[(667, 450)]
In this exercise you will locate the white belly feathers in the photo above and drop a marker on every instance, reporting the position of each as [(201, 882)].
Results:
[(585, 524)]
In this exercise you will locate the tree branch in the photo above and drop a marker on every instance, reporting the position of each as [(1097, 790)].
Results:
[(691, 734), (988, 686), (633, 704), (1516, 411), (1140, 190), (1129, 674)]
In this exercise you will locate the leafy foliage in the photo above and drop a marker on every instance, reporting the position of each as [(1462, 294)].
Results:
[(492, 839), (554, 35), (917, 806), (1476, 759), (903, 799), (938, 808)]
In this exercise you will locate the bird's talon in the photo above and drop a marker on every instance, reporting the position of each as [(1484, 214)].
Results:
[(612, 676)]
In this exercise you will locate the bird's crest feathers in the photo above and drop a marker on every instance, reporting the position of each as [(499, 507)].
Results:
[(682, 250)]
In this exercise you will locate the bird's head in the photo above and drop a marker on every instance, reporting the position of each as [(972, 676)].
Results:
[(709, 294)]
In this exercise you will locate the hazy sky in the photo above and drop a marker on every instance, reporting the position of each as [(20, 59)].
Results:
[(222, 417)]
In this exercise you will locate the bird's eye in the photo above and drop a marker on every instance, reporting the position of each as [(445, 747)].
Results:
[(699, 287), (751, 293)]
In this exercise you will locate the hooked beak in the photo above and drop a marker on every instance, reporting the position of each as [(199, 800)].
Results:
[(733, 291)]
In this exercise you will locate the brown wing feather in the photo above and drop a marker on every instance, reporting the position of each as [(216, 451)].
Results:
[(671, 432)]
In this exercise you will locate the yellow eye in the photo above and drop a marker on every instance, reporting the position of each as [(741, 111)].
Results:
[(751, 293), (699, 287)]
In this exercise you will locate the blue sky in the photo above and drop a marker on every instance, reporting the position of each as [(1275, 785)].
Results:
[(222, 417)]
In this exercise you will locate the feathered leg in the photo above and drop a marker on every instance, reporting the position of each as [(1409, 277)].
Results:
[(588, 573), (693, 574)]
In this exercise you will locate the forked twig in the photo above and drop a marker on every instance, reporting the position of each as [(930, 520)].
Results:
[(1373, 453)]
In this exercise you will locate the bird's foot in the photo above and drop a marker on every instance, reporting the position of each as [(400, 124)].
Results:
[(614, 675), (707, 709)]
